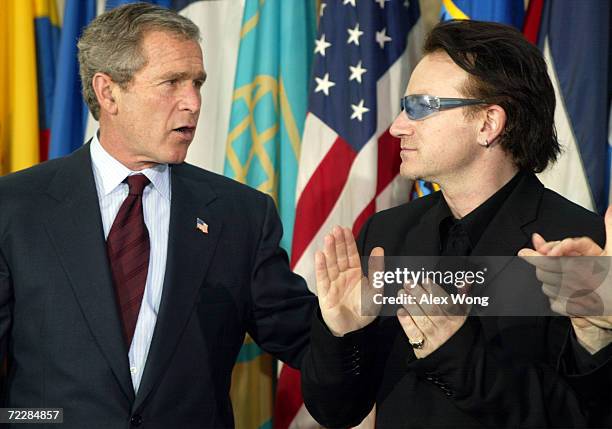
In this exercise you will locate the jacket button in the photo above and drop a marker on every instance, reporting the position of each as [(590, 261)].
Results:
[(136, 420)]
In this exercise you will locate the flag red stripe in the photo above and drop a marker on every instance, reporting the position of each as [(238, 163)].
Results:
[(533, 18), (320, 195), (287, 401), (43, 147), (388, 166)]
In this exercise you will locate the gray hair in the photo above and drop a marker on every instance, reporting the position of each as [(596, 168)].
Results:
[(111, 44)]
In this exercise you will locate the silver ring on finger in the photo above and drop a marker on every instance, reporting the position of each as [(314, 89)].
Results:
[(417, 345)]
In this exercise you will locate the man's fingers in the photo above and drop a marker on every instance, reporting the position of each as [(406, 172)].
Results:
[(550, 291), (538, 241), (376, 262), (420, 319), (434, 296), (540, 262), (330, 257), (572, 246), (321, 276), (354, 260), (569, 246), (341, 250), (559, 306), (410, 328), (541, 245), (575, 305), (585, 305), (608, 221), (604, 322), (527, 253), (549, 277)]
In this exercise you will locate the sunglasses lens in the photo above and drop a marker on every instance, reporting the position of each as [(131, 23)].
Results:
[(416, 107)]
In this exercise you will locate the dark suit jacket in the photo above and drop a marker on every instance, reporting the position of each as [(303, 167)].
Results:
[(59, 321), (496, 371)]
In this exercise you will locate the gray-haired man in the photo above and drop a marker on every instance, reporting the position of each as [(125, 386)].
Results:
[(128, 278)]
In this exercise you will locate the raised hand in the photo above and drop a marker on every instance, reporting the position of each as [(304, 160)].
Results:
[(580, 288), (345, 295)]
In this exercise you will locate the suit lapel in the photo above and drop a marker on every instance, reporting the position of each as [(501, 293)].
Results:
[(505, 235), (75, 227), (189, 254)]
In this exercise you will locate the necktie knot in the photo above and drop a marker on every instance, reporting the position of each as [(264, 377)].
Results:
[(137, 183)]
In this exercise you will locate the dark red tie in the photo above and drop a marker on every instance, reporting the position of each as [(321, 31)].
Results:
[(128, 253)]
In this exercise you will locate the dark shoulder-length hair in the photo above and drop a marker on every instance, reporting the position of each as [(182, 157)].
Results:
[(509, 71)]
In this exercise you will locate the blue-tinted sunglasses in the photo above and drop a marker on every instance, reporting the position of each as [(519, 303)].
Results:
[(420, 106)]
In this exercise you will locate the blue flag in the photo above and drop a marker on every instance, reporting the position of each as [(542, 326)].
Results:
[(510, 12), (111, 4), (576, 37), (69, 110)]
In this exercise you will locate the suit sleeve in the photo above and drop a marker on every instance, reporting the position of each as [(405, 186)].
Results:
[(282, 305), (590, 376), (496, 389), (6, 299), (581, 361), (341, 375)]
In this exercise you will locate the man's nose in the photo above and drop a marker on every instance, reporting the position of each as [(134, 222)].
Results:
[(191, 99), (401, 126)]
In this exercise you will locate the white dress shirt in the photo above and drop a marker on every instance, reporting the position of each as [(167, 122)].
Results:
[(109, 175)]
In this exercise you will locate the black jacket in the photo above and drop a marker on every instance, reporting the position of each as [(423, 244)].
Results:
[(496, 371)]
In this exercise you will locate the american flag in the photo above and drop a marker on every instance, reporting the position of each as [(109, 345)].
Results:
[(201, 226), (349, 163)]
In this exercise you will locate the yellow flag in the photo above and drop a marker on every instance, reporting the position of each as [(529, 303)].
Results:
[(4, 96), (19, 111)]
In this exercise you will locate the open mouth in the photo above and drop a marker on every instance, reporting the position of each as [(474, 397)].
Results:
[(186, 132), (184, 129)]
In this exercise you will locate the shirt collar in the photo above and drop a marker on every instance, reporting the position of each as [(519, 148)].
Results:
[(112, 173), (476, 222)]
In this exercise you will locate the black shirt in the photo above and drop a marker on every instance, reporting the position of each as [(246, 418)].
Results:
[(458, 237)]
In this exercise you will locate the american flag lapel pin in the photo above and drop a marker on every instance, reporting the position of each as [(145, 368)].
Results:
[(201, 226)]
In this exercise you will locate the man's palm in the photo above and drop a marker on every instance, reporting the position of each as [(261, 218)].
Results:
[(345, 294)]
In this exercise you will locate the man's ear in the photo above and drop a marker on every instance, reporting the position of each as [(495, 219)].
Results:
[(104, 87), (494, 122)]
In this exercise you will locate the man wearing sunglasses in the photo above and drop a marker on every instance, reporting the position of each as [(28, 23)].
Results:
[(478, 119)]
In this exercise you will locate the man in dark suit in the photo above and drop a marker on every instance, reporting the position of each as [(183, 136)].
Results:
[(478, 120), (128, 279)]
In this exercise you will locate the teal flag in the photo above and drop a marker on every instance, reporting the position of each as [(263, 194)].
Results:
[(267, 117), (270, 100)]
